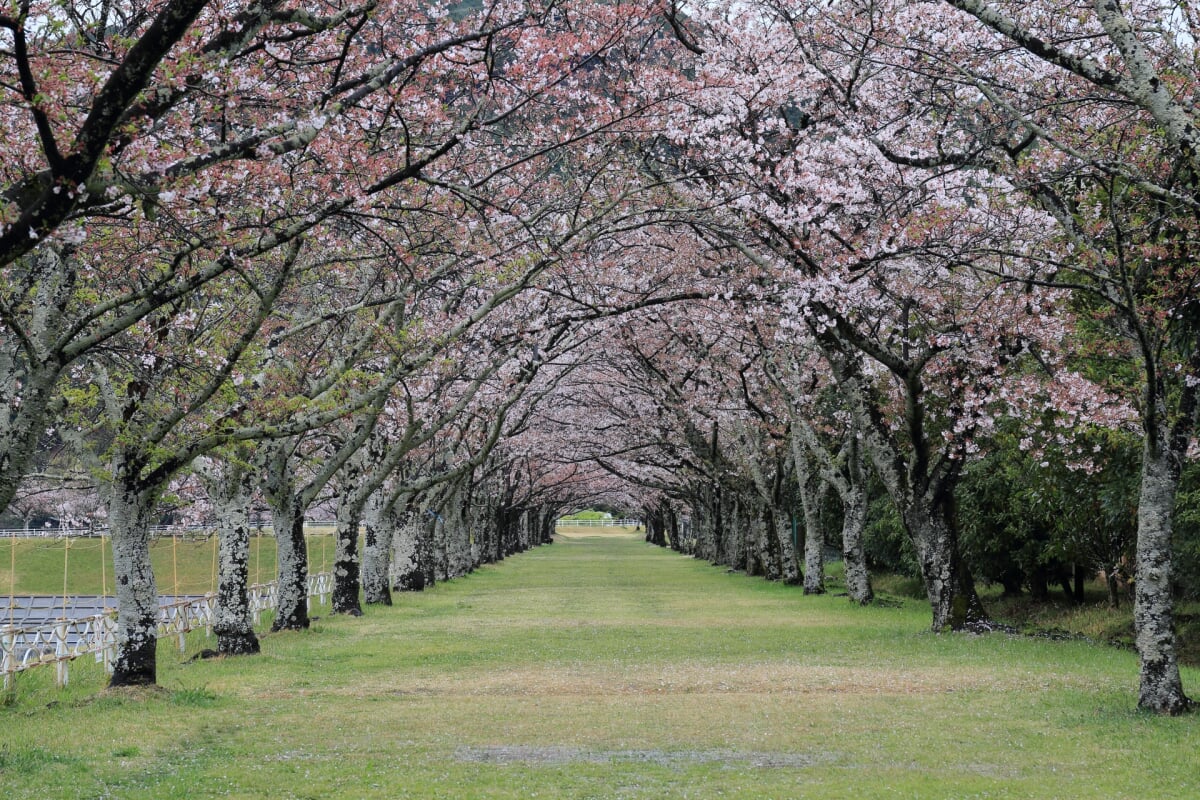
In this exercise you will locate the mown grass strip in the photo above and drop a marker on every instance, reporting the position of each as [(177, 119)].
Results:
[(602, 667)]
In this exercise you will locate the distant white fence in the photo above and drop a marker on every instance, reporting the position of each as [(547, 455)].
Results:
[(588, 523), (184, 531), (62, 641)]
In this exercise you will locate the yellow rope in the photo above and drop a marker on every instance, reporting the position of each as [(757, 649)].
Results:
[(323, 569), (103, 574), (257, 554), (212, 584), (12, 579), (66, 561), (175, 564)]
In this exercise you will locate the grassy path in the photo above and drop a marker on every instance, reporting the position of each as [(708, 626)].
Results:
[(601, 667)]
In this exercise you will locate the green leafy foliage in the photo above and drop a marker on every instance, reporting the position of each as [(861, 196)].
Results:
[(885, 543), (588, 514), (1028, 518)]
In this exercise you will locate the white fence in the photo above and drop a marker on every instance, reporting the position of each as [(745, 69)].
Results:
[(183, 531), (62, 641), (588, 523)]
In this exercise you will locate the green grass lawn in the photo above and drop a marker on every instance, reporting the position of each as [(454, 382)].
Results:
[(603, 667)]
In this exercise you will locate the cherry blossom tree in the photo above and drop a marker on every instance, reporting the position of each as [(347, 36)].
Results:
[(1084, 111), (825, 443), (140, 421), (228, 480), (207, 112), (888, 266)]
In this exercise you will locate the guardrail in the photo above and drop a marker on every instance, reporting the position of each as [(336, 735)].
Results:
[(64, 640), (155, 530), (587, 523)]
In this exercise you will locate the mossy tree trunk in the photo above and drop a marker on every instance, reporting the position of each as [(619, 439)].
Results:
[(229, 484), (948, 581), (1160, 687), (379, 521), (408, 575), (130, 509), (347, 579), (812, 490), (854, 520), (286, 502)]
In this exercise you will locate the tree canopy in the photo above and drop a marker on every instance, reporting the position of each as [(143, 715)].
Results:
[(746, 270)]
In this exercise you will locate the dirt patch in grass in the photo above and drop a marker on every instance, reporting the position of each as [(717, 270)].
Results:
[(596, 532), (134, 693), (559, 755), (756, 679)]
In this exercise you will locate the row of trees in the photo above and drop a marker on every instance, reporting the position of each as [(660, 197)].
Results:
[(492, 259), (279, 251), (944, 230)]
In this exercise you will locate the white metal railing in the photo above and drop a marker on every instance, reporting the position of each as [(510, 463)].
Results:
[(97, 531), (627, 523), (62, 641), (57, 643)]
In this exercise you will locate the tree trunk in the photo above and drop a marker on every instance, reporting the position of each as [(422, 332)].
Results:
[(1039, 583), (503, 532), (733, 550), (1160, 689), (524, 529), (408, 574), (460, 557), (229, 484), (700, 526), (926, 506), (544, 519), (854, 520), (377, 550), (291, 610), (1112, 585), (920, 483), (772, 549), (22, 426), (30, 370), (510, 531), (426, 542), (704, 525), (711, 536), (782, 530), (719, 525), (232, 620), (356, 484), (948, 581), (129, 513), (685, 538), (439, 552), (287, 523), (673, 540), (346, 583), (811, 491), (1066, 582), (754, 541), (656, 527)]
